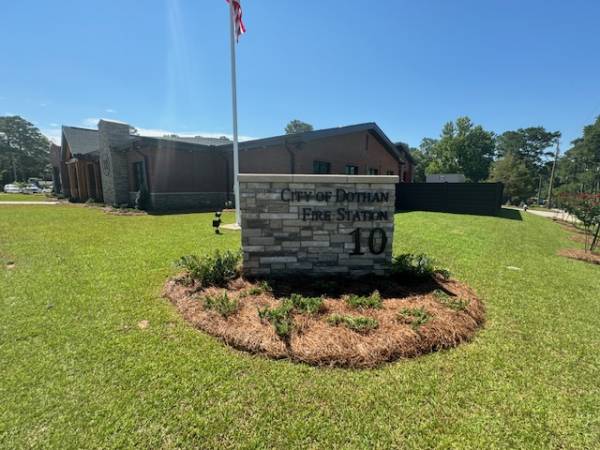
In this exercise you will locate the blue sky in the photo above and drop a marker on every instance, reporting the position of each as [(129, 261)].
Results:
[(410, 66)]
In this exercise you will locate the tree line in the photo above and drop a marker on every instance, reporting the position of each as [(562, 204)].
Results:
[(521, 159), (24, 151)]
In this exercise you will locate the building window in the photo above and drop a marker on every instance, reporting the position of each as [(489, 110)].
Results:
[(371, 171), (321, 167), (139, 175), (389, 172), (351, 170)]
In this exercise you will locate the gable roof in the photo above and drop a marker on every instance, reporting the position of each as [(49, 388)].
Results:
[(197, 140), (81, 140), (307, 136)]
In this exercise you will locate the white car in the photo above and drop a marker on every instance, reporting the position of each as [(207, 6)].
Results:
[(31, 189), (12, 189)]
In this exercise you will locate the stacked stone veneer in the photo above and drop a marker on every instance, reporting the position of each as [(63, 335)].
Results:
[(113, 139), (303, 234)]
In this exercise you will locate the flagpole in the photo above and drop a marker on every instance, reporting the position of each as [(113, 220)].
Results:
[(236, 168)]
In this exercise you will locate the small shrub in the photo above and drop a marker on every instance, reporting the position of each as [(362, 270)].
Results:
[(457, 304), (279, 317), (309, 305), (418, 266), (213, 270), (360, 324), (363, 302), (221, 304), (142, 198), (414, 316), (259, 289), (90, 201)]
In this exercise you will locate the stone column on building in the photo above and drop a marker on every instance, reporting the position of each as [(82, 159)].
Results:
[(114, 139)]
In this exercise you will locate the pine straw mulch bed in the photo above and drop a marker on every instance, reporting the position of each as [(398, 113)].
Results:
[(580, 255), (314, 341), (577, 235)]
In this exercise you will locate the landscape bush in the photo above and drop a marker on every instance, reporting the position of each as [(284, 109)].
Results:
[(457, 304), (221, 303), (360, 324), (212, 270), (415, 317), (364, 302), (417, 266), (586, 207), (309, 305), (142, 198), (259, 289), (280, 317)]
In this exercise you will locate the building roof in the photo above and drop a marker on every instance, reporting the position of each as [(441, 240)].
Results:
[(81, 140), (197, 139), (306, 136), (84, 141)]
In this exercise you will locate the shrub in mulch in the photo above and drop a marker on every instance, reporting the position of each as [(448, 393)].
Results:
[(580, 255), (313, 321)]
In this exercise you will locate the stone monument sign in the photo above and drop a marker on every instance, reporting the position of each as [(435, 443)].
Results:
[(317, 224)]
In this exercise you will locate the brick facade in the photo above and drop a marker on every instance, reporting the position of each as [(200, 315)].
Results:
[(304, 224)]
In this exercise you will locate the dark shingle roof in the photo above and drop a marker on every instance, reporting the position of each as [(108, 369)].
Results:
[(81, 140), (198, 140), (306, 136)]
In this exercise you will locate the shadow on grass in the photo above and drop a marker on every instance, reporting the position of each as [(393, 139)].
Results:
[(503, 213), (509, 213)]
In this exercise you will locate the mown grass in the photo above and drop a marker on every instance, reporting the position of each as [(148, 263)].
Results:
[(23, 197), (77, 372)]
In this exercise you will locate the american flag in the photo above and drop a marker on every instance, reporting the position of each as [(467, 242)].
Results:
[(239, 24)]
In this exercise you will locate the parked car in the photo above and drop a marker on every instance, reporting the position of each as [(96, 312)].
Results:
[(12, 189), (31, 189)]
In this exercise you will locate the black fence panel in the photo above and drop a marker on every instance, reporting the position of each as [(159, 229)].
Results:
[(463, 198)]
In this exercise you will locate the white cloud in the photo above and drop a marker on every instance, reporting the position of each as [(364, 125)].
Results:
[(53, 133), (157, 132), (110, 110), (54, 125)]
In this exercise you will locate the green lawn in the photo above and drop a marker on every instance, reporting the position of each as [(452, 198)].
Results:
[(77, 372), (23, 197)]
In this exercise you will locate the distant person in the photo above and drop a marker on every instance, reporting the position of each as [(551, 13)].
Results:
[(525, 207)]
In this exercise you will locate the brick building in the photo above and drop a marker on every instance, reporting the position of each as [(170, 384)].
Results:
[(111, 164)]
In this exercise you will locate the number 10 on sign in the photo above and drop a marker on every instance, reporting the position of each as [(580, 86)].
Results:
[(374, 247)]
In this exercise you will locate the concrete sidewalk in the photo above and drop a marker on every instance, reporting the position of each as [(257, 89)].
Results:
[(557, 214)]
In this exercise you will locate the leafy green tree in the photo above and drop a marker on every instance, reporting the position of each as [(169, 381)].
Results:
[(579, 168), (297, 126), (24, 150), (513, 172), (530, 144), (422, 157), (462, 148)]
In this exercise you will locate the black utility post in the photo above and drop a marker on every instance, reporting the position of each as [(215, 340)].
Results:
[(549, 202)]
